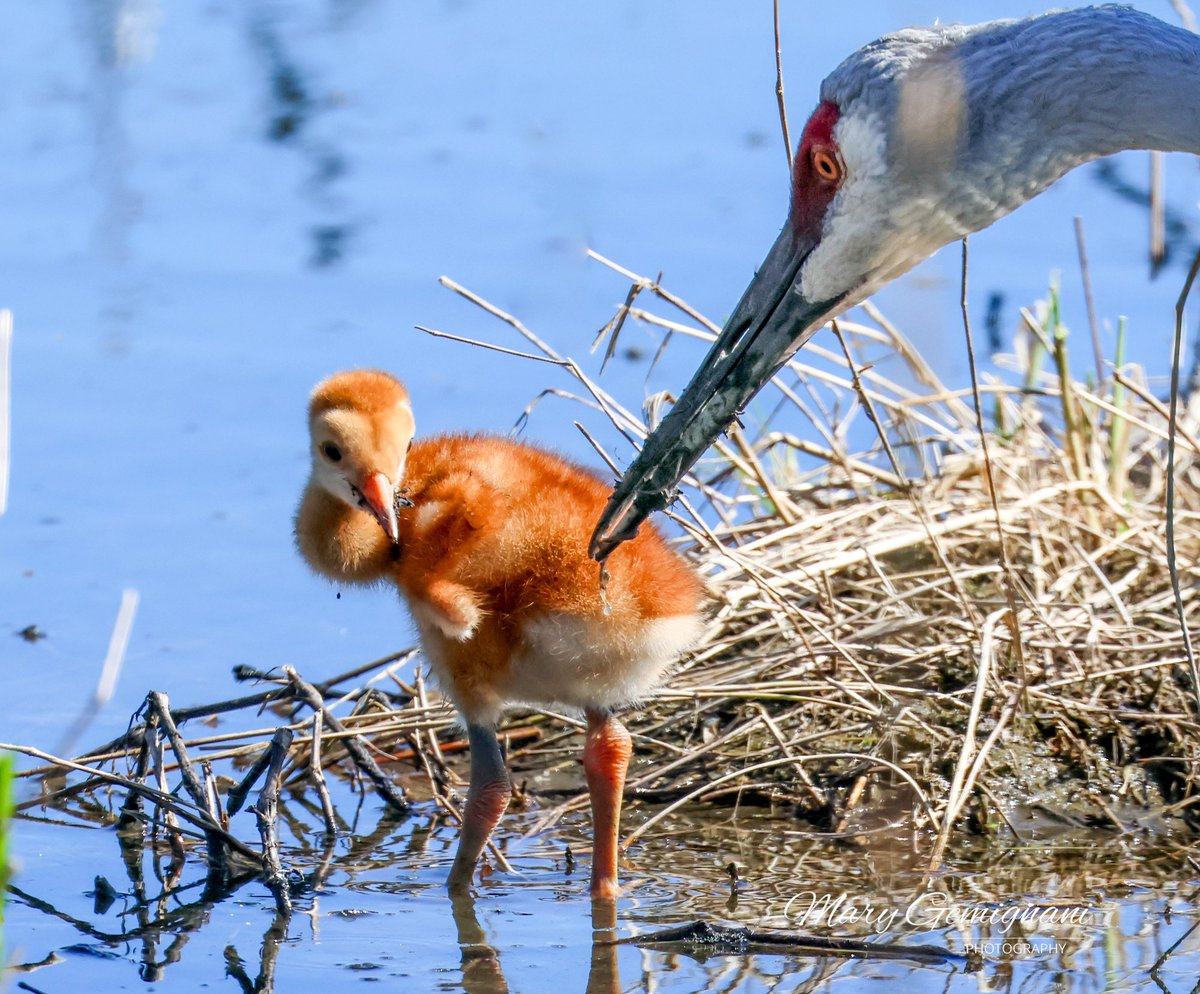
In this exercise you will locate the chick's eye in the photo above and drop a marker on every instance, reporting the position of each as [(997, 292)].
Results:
[(826, 165), (331, 452)]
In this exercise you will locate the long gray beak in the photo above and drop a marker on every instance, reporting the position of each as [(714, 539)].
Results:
[(770, 322)]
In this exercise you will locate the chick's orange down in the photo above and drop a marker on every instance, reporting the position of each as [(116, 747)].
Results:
[(486, 540)]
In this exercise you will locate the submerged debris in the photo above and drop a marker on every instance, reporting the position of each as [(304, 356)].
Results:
[(701, 939), (31, 633)]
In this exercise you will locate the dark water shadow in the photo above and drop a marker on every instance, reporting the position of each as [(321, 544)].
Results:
[(293, 105), (160, 932), (1179, 240)]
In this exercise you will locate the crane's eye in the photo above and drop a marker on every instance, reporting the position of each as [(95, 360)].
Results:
[(827, 165), (331, 452)]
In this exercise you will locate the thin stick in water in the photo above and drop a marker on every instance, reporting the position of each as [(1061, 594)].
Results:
[(161, 797), (1172, 565), (264, 812), (237, 795), (1158, 210), (1010, 591), (118, 643), (218, 860), (318, 777)]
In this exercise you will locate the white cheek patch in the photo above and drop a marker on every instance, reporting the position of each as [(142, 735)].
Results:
[(862, 139), (335, 426), (876, 228), (850, 238), (333, 481)]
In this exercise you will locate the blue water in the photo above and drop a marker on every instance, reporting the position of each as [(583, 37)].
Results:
[(207, 207), (210, 206)]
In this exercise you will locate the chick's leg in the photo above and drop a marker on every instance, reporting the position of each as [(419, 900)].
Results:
[(605, 760), (487, 799)]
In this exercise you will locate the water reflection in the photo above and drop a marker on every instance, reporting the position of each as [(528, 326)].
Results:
[(1178, 239), (264, 983), (481, 970), (292, 109), (117, 34), (164, 919), (380, 889), (604, 974)]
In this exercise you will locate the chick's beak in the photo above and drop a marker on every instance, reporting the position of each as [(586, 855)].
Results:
[(380, 497), (771, 321)]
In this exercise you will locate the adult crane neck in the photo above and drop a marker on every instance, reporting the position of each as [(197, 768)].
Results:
[(983, 117), (1092, 82)]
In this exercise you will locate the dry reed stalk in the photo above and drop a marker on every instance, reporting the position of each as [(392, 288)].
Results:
[(1085, 274), (162, 798), (110, 670), (905, 485), (158, 709), (318, 776), (783, 118), (1010, 584), (1158, 210), (959, 787), (390, 791)]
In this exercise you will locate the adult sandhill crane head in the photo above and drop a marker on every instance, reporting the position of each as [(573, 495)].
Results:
[(919, 139)]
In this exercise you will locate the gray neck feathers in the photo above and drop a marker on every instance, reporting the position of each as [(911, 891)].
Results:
[(994, 113)]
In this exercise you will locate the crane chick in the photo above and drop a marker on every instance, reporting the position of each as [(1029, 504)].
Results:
[(486, 540)]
